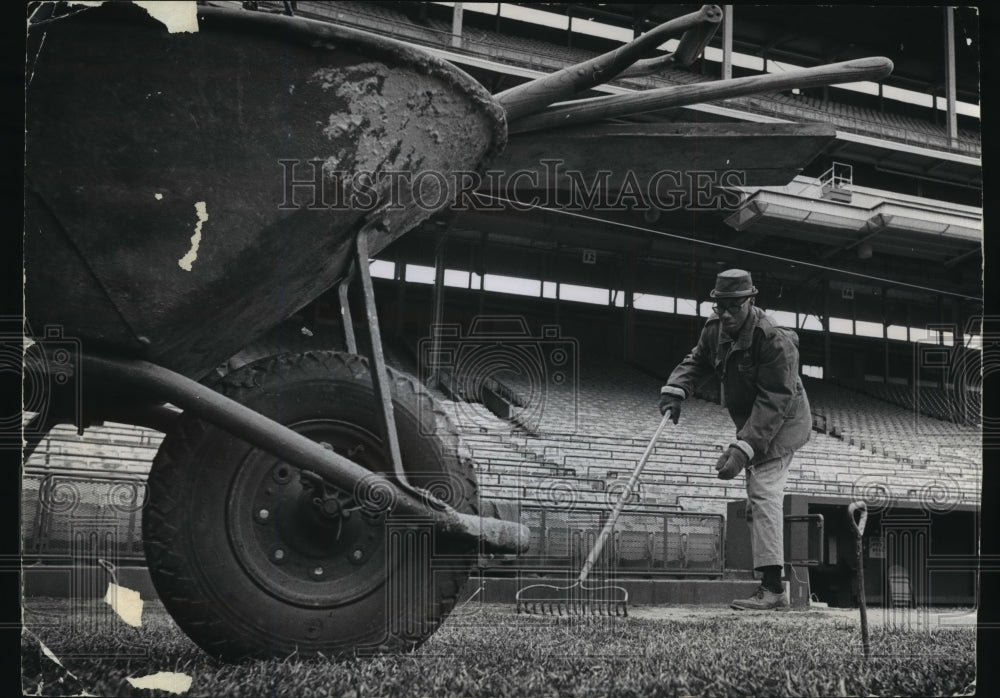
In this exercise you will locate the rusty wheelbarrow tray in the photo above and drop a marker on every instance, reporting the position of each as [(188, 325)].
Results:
[(184, 193), (170, 176)]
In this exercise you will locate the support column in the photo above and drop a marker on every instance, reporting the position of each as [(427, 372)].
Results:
[(558, 301), (727, 42), (630, 308), (915, 368), (959, 396), (854, 318), (951, 92), (456, 25), (940, 339), (438, 318), (484, 239), (827, 368), (697, 289), (885, 336), (399, 274)]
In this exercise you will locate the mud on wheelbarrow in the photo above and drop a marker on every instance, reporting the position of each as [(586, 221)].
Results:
[(181, 199)]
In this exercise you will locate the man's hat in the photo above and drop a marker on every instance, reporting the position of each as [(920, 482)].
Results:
[(733, 283)]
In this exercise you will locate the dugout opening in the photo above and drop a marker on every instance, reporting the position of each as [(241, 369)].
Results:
[(915, 553)]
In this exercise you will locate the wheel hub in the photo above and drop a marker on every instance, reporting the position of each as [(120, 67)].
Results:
[(300, 538)]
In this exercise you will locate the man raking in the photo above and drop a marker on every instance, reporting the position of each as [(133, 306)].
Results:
[(757, 364)]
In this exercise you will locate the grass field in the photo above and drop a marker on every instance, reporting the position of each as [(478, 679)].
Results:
[(491, 651)]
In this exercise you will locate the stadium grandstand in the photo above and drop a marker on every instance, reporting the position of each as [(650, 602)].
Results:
[(547, 316)]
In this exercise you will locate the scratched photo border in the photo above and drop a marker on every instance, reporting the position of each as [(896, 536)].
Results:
[(988, 563)]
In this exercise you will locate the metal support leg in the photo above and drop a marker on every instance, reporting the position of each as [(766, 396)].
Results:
[(345, 312), (380, 377), (159, 383)]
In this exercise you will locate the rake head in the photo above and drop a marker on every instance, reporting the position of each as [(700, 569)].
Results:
[(572, 600)]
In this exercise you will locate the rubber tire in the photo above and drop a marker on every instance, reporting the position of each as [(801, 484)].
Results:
[(197, 574)]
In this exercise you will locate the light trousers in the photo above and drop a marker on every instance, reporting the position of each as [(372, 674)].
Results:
[(765, 483)]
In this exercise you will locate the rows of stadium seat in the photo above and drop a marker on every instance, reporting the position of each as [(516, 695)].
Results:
[(548, 57), (615, 417), (370, 16), (896, 432), (940, 403), (680, 469), (110, 448), (886, 124)]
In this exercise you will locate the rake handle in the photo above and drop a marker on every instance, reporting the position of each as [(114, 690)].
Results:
[(595, 552)]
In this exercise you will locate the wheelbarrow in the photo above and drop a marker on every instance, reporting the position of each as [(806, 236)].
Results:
[(187, 192)]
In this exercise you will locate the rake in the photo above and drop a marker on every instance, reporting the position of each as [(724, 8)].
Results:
[(577, 598)]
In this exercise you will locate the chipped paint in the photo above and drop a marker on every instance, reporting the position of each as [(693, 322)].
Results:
[(48, 653), (187, 260), (375, 119), (170, 681), (158, 196), (177, 17), (126, 603), (387, 124)]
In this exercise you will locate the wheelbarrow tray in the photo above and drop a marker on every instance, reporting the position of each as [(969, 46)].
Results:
[(185, 192)]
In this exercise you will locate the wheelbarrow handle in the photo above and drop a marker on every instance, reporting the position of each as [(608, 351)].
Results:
[(578, 112), (530, 97), (859, 523)]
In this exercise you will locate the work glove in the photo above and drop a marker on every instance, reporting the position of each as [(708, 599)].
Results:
[(733, 460), (670, 399)]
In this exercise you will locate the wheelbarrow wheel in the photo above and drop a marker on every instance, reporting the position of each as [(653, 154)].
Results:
[(254, 557)]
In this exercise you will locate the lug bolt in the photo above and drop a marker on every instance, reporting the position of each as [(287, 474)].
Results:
[(318, 572), (279, 555), (282, 474), (263, 515), (357, 554)]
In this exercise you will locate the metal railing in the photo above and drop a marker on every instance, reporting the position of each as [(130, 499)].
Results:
[(63, 512), (646, 541)]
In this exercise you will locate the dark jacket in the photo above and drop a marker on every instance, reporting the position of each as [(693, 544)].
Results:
[(759, 376)]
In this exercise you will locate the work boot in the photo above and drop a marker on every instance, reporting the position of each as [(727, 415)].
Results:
[(762, 600)]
